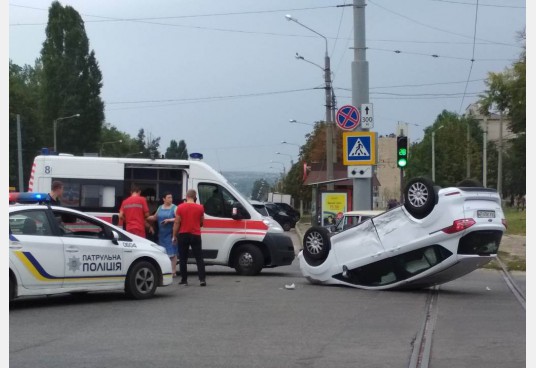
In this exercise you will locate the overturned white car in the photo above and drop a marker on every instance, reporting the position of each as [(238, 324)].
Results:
[(437, 235)]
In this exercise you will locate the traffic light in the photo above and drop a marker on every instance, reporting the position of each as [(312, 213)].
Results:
[(402, 151)]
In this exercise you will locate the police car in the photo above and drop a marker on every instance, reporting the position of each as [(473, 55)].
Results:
[(55, 249), (437, 235)]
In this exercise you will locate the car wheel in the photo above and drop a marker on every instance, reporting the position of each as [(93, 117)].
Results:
[(12, 288), (142, 280), (287, 226), (316, 244), (248, 260), (419, 197)]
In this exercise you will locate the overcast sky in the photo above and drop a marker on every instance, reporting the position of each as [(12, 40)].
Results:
[(223, 76)]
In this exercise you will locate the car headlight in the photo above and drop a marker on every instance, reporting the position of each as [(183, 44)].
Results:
[(159, 247), (272, 225)]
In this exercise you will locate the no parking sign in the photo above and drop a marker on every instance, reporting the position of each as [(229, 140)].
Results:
[(348, 117)]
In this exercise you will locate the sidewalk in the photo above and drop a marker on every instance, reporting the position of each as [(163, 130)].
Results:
[(512, 250)]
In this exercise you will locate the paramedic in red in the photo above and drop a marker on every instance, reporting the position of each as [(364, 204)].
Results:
[(134, 212), (188, 222)]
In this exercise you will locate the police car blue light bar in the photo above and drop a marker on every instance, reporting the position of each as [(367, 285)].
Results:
[(28, 197)]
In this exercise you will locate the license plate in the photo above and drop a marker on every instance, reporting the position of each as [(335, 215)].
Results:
[(485, 214)]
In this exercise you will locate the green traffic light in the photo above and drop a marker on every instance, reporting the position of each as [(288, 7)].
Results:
[(402, 151), (402, 162)]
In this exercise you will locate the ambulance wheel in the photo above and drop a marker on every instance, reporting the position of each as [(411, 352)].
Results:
[(419, 197), (316, 245), (142, 280), (248, 260)]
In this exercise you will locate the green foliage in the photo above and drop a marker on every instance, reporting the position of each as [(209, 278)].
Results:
[(70, 83), (452, 148), (177, 151), (23, 101), (260, 190), (516, 220)]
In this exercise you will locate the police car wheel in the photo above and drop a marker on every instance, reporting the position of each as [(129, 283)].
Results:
[(12, 288), (419, 197), (248, 260), (142, 280), (316, 245)]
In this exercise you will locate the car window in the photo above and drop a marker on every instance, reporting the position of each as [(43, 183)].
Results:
[(32, 222), (74, 225)]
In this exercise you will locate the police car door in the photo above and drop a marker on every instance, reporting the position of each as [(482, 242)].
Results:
[(90, 255), (35, 253)]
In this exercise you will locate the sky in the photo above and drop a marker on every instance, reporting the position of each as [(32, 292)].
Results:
[(223, 76)]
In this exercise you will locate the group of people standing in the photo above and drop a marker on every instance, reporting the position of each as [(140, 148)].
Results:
[(179, 227)]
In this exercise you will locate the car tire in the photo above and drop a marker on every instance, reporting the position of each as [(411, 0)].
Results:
[(12, 288), (287, 226), (419, 197), (316, 244), (248, 260), (142, 280)]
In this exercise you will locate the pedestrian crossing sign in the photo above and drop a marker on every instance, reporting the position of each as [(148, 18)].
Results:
[(359, 148)]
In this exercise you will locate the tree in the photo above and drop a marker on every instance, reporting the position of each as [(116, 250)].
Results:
[(450, 156), (177, 151), (71, 83), (147, 145), (260, 190), (506, 94), (23, 101)]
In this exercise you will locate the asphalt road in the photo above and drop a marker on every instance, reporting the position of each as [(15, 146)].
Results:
[(240, 321)]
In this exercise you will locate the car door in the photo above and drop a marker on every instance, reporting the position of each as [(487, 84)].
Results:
[(35, 252), (91, 258)]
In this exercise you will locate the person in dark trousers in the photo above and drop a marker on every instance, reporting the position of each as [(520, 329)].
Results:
[(188, 222), (56, 193)]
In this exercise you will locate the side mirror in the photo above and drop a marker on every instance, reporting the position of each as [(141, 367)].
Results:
[(115, 237), (115, 220)]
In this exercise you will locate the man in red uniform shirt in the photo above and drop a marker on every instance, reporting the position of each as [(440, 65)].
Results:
[(134, 212), (189, 218)]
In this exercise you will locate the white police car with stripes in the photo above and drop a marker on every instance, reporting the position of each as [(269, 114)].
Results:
[(54, 250)]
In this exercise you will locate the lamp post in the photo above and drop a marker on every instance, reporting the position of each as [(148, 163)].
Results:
[(293, 144), (102, 145), (286, 154), (327, 78), (294, 121), (56, 126), (433, 153), (279, 162), (134, 154)]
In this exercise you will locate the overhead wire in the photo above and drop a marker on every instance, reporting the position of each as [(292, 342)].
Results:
[(472, 58)]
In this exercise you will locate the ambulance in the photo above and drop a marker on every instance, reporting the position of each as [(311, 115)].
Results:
[(234, 234)]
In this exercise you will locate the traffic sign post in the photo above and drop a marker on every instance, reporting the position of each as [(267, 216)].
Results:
[(348, 117)]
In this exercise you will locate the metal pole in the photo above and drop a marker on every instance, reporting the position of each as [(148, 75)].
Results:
[(329, 130), (485, 158), (362, 187), (468, 153), (433, 156), (500, 163), (19, 154), (55, 126)]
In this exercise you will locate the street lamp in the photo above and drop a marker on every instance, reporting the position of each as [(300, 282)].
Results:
[(279, 162), (294, 121), (293, 144), (134, 154), (102, 145), (329, 99), (286, 154), (433, 152), (56, 126)]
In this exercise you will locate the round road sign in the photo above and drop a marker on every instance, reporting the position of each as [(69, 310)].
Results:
[(348, 117)]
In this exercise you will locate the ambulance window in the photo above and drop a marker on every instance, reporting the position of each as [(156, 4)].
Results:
[(218, 202)]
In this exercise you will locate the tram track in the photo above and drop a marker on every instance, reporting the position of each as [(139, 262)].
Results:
[(422, 344)]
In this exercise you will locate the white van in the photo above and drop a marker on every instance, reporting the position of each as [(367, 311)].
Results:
[(234, 234)]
